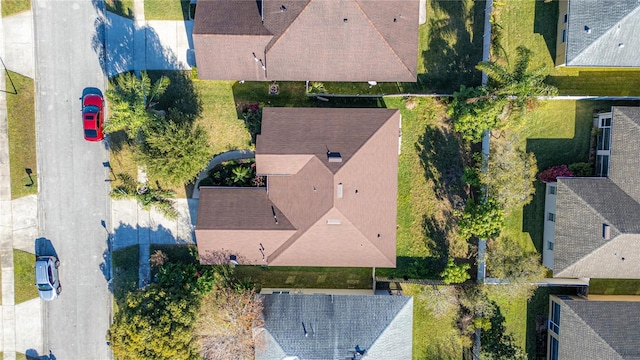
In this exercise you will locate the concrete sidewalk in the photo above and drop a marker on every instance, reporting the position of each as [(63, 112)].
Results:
[(130, 45)]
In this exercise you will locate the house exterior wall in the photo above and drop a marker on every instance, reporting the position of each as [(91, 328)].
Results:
[(549, 226), (561, 47)]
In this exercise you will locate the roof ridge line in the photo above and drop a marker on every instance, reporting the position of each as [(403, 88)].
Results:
[(589, 205), (589, 327), (290, 241), (366, 140), (356, 2), (408, 299), (361, 233), (271, 45)]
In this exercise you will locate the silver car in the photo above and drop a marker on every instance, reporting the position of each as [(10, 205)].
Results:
[(47, 279)]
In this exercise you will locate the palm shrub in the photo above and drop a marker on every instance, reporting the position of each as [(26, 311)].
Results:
[(147, 197), (132, 102)]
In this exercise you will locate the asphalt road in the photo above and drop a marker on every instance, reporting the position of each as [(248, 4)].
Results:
[(72, 202)]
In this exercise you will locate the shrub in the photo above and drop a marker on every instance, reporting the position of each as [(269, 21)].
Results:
[(554, 172), (484, 220), (581, 169), (455, 274)]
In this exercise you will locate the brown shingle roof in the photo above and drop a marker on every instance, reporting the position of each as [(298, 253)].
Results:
[(344, 213), (324, 40)]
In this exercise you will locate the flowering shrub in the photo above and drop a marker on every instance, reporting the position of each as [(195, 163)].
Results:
[(554, 172)]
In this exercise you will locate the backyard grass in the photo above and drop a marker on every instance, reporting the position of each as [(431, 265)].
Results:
[(435, 334), (533, 24), (24, 276), (125, 264), (22, 135), (614, 287), (122, 7), (429, 172), (514, 310), (450, 46), (166, 10), (11, 7), (306, 277)]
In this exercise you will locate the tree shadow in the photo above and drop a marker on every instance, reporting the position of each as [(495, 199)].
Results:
[(545, 23), (557, 151), (441, 156), (122, 273), (537, 315), (117, 41), (181, 94), (495, 340), (452, 51)]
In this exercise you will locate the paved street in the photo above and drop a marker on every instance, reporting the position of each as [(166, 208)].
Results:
[(73, 196)]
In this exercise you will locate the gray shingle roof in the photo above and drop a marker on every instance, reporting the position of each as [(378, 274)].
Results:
[(334, 325), (609, 23), (599, 330), (584, 205)]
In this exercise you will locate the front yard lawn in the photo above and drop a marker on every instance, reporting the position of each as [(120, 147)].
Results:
[(22, 135), (166, 10), (24, 276), (126, 264), (218, 117)]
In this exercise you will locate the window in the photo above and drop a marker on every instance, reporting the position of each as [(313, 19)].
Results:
[(604, 139), (553, 349), (553, 189), (602, 165), (605, 122), (566, 18), (551, 217), (564, 35), (550, 245), (554, 322)]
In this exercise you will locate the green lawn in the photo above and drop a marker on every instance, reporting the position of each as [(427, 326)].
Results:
[(166, 9), (429, 173), (514, 310), (306, 277), (219, 116), (24, 276), (125, 263), (558, 132), (614, 286), (22, 135), (450, 46), (121, 7), (533, 24), (435, 333), (11, 7)]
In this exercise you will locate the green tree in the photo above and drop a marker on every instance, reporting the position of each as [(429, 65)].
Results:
[(507, 260), (455, 274), (175, 151), (474, 110), (156, 322), (132, 102), (509, 93), (522, 85), (484, 220), (511, 174), (147, 196)]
